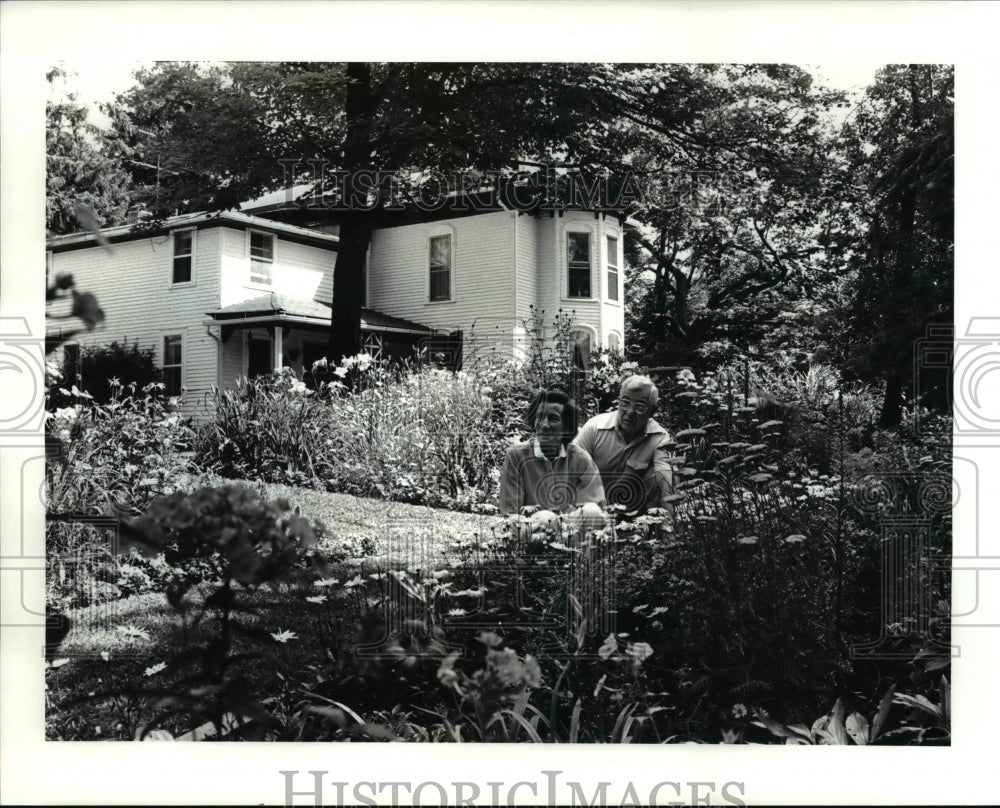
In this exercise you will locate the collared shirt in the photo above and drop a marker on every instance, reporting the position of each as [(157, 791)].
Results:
[(628, 464), (530, 478)]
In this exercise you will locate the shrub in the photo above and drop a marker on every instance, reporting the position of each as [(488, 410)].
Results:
[(106, 459), (127, 363), (268, 428)]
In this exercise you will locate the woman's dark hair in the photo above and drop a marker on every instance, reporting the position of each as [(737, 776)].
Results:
[(554, 397)]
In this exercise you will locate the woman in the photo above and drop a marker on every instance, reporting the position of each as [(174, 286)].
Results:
[(549, 473)]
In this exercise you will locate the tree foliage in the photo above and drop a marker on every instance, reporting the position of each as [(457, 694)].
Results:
[(900, 147), (80, 170)]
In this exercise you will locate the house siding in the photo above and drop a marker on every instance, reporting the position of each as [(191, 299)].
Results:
[(134, 288), (482, 304), (298, 269), (141, 305)]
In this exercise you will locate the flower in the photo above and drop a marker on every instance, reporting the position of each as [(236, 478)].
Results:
[(155, 669), (739, 710), (640, 651), (608, 647), (284, 636), (355, 581), (317, 599), (326, 582), (85, 307), (795, 538), (456, 612), (105, 656), (747, 540), (133, 632)]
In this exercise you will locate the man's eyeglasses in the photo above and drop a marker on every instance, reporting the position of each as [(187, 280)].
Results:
[(638, 407)]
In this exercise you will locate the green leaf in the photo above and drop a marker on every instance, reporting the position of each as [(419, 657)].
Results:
[(857, 728), (944, 689), (574, 722), (883, 712), (836, 725), (919, 702)]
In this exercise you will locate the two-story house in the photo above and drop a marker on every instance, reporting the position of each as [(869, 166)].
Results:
[(224, 295)]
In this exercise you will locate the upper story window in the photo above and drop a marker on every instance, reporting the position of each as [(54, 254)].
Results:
[(172, 364), (261, 257), (183, 255), (613, 268), (578, 264), (440, 268)]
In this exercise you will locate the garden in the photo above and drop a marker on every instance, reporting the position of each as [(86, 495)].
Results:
[(320, 557), (327, 564)]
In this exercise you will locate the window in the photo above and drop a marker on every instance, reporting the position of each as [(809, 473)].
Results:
[(582, 346), (261, 257), (614, 342), (578, 264), (172, 375), (71, 364), (440, 267), (612, 268), (183, 255)]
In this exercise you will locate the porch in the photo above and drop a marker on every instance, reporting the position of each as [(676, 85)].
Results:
[(258, 335)]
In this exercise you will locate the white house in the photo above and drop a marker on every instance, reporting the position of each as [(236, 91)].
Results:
[(223, 295)]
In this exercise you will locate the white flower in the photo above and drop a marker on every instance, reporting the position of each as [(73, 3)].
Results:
[(284, 636), (639, 650), (317, 599), (739, 710), (795, 538), (326, 582), (66, 415), (133, 632), (105, 656), (155, 669), (456, 612)]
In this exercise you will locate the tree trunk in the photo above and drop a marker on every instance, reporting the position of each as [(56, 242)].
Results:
[(892, 404), (348, 285), (355, 226)]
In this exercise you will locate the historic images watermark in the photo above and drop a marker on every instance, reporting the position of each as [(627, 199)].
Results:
[(537, 189), (546, 789)]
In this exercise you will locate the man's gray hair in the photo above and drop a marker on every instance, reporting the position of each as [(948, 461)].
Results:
[(645, 383)]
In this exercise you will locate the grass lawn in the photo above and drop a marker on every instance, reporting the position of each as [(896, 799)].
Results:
[(111, 645)]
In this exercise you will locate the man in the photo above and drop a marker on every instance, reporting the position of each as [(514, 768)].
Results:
[(627, 446), (546, 473)]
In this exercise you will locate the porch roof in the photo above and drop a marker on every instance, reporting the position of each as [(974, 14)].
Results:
[(288, 309)]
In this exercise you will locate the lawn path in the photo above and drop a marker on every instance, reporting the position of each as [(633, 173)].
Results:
[(411, 535), (396, 528)]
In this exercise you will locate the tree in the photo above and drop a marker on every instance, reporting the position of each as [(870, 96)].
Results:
[(223, 134), (735, 232), (79, 171), (901, 146)]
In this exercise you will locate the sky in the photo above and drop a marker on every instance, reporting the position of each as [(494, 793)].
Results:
[(99, 80)]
